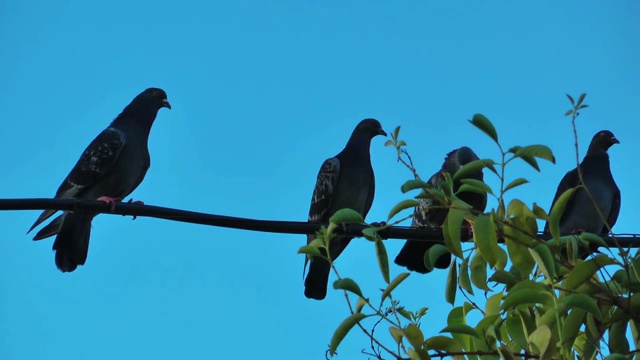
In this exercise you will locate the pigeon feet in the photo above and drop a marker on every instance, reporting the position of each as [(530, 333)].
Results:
[(110, 201), (137, 202)]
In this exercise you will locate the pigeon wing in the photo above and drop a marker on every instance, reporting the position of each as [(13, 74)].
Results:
[(94, 163)]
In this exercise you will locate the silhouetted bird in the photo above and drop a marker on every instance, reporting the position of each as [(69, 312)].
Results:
[(344, 181), (430, 213), (109, 169)]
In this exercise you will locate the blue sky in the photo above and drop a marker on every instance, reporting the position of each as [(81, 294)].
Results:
[(262, 93)]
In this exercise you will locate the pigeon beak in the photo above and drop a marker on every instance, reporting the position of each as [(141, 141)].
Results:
[(615, 140), (381, 132), (165, 103)]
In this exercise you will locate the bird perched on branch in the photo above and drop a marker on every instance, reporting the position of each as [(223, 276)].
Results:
[(431, 213), (580, 214), (344, 181), (110, 168)]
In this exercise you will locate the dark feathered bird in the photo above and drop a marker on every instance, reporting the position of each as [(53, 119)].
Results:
[(344, 181), (580, 214), (430, 213), (109, 169)]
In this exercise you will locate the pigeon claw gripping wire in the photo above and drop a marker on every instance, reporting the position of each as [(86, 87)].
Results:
[(137, 202), (110, 201)]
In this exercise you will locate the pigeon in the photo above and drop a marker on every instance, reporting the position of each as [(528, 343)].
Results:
[(344, 181), (580, 214), (110, 168), (430, 212)]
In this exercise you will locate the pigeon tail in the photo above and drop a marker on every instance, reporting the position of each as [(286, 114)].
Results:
[(50, 229), (315, 285), (412, 253), (72, 243), (43, 216)]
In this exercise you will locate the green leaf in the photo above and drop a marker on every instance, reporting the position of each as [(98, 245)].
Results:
[(593, 239), (481, 122), (396, 131), (452, 283), (618, 342), (484, 235), (479, 272), (404, 313), (401, 143), (504, 277), (443, 343), (526, 296), (571, 99), (402, 205), (540, 213), (310, 250), (417, 354), (506, 353), (343, 330), (518, 250), (493, 304), (569, 112), (348, 285), (617, 356), (346, 216), (484, 188), (543, 257), (515, 183), (541, 339), (400, 278), (414, 335), (557, 211), (580, 99), (571, 327), (433, 254), (396, 334), (585, 271), (531, 161), (452, 226), (464, 280), (412, 185), (360, 304), (388, 143), (472, 167), (584, 302), (370, 234), (383, 260), (468, 188), (461, 329), (539, 151), (516, 329)]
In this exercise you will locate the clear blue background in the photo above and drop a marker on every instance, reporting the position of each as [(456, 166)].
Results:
[(262, 93)]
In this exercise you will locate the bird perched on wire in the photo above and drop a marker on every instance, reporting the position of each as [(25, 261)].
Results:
[(344, 181), (430, 212), (110, 168), (580, 213)]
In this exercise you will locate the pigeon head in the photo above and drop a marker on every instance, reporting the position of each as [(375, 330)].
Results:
[(369, 127), (457, 158), (602, 141), (154, 98), (465, 155), (143, 109), (150, 100)]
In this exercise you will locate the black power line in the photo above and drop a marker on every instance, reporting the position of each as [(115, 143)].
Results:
[(283, 227)]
